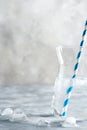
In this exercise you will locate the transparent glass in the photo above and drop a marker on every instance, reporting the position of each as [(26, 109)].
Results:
[(66, 60)]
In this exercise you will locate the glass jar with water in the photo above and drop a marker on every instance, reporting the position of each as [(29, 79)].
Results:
[(66, 60)]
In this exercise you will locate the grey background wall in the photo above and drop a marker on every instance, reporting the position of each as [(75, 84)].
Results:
[(29, 32)]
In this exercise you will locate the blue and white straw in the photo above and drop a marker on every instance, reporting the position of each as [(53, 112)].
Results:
[(70, 88)]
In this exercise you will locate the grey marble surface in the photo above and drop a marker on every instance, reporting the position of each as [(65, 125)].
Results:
[(29, 108)]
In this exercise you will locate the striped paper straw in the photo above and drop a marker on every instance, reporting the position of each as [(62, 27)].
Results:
[(70, 88)]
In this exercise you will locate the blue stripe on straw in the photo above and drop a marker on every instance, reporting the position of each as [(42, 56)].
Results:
[(69, 89), (74, 76), (84, 32), (79, 54), (86, 22), (82, 42), (66, 102), (76, 66), (64, 114)]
